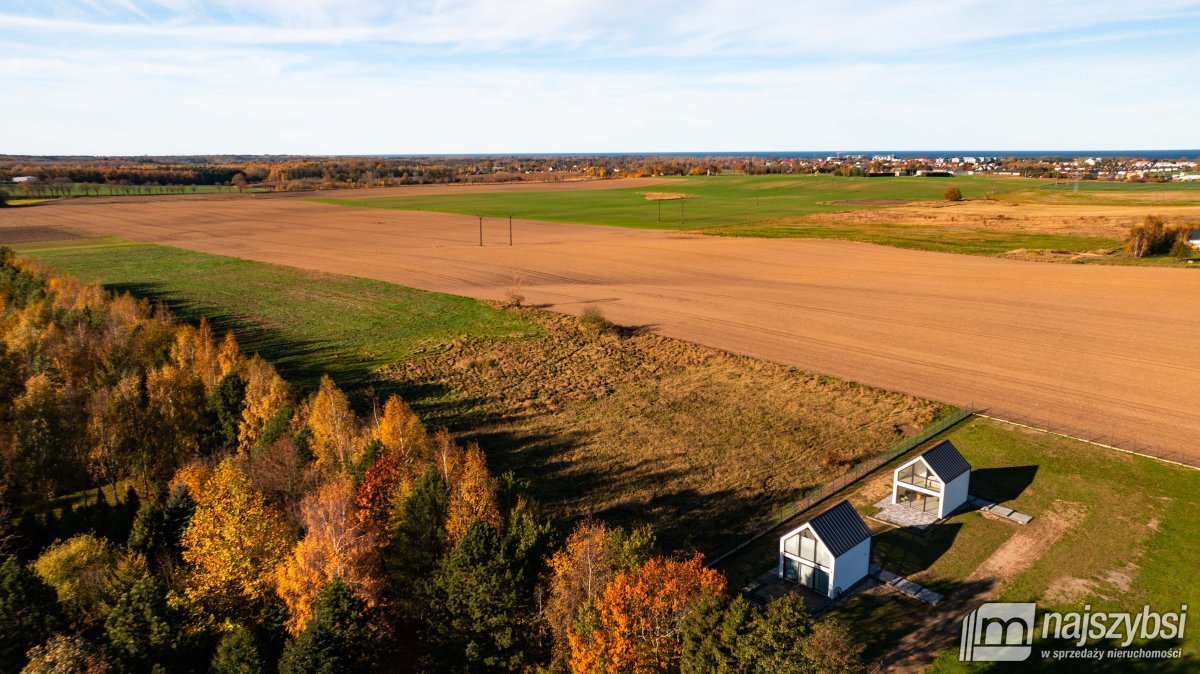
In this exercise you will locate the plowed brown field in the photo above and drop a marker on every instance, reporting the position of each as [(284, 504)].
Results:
[(1110, 351)]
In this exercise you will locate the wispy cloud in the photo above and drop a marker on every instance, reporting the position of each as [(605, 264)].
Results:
[(126, 76)]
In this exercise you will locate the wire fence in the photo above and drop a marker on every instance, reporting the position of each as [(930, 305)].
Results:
[(1108, 441), (787, 512)]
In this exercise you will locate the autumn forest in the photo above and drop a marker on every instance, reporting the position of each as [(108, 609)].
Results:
[(172, 504)]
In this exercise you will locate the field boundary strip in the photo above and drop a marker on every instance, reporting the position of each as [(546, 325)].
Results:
[(789, 512), (1148, 452)]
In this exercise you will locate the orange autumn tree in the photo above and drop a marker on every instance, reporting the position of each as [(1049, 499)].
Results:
[(335, 545), (640, 617), (472, 495), (592, 556), (231, 545)]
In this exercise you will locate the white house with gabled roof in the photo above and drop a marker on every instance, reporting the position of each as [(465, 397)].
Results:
[(828, 554), (935, 482)]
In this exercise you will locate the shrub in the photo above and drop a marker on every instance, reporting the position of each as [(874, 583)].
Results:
[(592, 322), (1181, 249), (513, 298), (952, 194)]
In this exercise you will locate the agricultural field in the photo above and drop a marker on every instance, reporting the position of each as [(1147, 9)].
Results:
[(1018, 338), (999, 215), (1110, 530), (624, 425)]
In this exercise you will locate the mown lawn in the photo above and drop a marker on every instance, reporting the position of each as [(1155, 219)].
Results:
[(306, 322)]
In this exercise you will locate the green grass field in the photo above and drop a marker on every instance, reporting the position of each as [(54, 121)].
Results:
[(306, 322), (715, 201), (1129, 543), (778, 206)]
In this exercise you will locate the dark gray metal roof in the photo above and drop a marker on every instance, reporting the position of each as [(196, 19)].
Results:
[(945, 460), (840, 528)]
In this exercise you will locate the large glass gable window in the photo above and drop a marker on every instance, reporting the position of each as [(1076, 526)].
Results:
[(917, 474), (806, 546)]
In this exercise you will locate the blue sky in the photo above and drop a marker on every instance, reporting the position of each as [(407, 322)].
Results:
[(481, 76)]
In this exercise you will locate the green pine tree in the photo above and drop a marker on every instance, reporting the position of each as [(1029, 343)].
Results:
[(141, 627), (418, 537), (223, 410), (337, 639), (477, 616), (29, 613), (237, 653)]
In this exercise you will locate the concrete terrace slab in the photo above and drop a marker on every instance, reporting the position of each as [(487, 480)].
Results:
[(904, 516)]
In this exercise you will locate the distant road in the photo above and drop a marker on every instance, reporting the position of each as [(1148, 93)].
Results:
[(1107, 350)]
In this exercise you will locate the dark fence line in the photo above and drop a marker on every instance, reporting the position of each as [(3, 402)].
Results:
[(1121, 444), (785, 513)]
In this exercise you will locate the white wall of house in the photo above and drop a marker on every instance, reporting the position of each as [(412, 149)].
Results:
[(844, 571), (954, 494), (850, 568)]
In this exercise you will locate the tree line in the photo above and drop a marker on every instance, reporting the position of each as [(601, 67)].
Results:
[(1155, 237), (171, 504)]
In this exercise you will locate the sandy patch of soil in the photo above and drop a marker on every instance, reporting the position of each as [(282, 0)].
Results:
[(664, 196), (1020, 552)]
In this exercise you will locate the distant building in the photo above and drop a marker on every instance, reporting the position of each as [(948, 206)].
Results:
[(828, 554), (1193, 238), (25, 179)]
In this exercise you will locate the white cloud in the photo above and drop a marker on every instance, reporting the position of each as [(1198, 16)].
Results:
[(182, 76)]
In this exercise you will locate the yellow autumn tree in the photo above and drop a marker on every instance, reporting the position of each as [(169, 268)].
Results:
[(231, 547), (229, 356), (472, 495), (335, 545), (336, 440), (400, 430), (267, 395)]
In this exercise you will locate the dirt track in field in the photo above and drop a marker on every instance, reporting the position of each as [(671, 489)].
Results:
[(1108, 350)]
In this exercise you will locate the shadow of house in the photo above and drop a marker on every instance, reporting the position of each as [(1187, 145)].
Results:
[(905, 552), (1002, 484)]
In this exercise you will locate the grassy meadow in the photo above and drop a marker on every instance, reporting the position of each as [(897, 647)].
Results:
[(627, 426), (306, 322), (701, 202), (801, 206)]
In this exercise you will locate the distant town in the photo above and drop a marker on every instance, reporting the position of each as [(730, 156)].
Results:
[(58, 175)]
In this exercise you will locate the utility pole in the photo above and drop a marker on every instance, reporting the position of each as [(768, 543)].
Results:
[(481, 230), (510, 229), (660, 210)]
